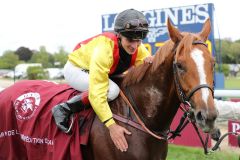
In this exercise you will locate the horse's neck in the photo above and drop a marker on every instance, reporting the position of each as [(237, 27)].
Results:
[(155, 98), (159, 97)]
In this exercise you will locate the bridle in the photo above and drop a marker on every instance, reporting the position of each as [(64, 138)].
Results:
[(182, 96), (186, 106)]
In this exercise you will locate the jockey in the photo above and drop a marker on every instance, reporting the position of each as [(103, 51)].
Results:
[(96, 59)]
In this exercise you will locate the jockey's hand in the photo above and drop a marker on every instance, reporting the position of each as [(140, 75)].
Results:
[(148, 59), (118, 138)]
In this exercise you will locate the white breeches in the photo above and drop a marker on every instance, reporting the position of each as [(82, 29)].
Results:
[(79, 79)]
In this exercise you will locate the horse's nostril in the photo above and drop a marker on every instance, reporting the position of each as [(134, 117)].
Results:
[(200, 116)]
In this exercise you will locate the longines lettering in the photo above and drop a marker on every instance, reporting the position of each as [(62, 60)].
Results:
[(178, 15)]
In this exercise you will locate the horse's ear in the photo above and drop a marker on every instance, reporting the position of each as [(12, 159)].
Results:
[(173, 32), (205, 30)]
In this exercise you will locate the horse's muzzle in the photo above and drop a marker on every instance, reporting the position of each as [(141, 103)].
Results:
[(206, 120)]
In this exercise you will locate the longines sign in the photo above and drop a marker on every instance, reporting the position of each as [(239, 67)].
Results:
[(186, 18)]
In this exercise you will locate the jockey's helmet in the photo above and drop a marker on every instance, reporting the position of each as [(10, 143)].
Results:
[(131, 24)]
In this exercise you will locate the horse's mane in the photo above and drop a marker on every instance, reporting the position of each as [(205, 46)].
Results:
[(136, 74)]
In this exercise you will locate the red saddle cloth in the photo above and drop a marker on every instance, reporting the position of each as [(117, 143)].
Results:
[(27, 128)]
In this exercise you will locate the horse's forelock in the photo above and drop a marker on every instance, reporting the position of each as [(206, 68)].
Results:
[(185, 45)]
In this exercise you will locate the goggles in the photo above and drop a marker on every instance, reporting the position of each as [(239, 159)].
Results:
[(135, 35), (136, 24)]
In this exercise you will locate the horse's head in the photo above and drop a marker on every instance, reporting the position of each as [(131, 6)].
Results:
[(193, 73)]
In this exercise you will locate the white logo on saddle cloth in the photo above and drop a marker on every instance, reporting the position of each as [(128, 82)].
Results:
[(26, 104)]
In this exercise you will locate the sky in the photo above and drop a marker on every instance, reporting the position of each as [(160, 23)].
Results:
[(55, 23)]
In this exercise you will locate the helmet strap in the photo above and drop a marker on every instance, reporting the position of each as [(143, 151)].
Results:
[(118, 35), (119, 40)]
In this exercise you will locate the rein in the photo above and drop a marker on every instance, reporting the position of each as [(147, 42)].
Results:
[(139, 120)]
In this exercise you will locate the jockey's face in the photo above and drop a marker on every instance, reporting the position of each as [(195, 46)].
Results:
[(130, 45)]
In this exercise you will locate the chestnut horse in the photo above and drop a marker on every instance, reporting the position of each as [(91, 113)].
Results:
[(181, 72)]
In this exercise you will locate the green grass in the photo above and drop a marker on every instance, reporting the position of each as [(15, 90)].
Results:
[(192, 153), (232, 82)]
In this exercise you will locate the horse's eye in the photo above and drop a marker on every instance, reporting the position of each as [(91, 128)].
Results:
[(180, 68)]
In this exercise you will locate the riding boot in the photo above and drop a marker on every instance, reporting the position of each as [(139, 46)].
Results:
[(63, 111)]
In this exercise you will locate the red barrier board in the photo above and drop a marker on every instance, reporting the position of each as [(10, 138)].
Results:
[(233, 126), (235, 99)]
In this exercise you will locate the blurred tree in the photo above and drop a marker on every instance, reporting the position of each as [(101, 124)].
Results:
[(9, 60), (60, 58), (43, 57), (237, 41), (223, 47), (24, 53), (36, 72), (225, 69), (235, 52)]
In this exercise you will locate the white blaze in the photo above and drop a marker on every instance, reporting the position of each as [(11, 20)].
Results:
[(197, 56)]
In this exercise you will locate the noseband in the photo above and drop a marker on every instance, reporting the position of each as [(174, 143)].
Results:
[(183, 97)]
